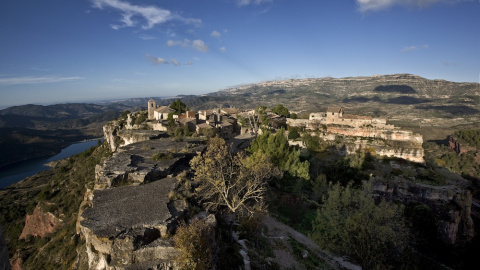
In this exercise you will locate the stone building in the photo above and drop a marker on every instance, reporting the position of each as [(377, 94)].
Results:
[(162, 112)]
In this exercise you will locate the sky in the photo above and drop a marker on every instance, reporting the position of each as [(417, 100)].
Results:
[(56, 51)]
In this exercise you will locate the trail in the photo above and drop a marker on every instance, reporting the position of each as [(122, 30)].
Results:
[(279, 230)]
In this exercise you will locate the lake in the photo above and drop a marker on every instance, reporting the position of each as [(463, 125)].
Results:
[(30, 167)]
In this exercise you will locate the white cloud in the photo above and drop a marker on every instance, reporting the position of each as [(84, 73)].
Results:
[(184, 43), (409, 48), (200, 46), (243, 3), (216, 34), (156, 60), (189, 63), (150, 15), (223, 49), (36, 80), (414, 48), (175, 62), (375, 5)]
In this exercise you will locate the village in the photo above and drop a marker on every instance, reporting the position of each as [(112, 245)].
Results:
[(330, 126)]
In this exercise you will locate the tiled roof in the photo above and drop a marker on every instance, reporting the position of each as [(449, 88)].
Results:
[(164, 109)]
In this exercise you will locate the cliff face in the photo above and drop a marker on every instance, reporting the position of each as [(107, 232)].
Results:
[(451, 205), (399, 149), (128, 218), (397, 143), (117, 136)]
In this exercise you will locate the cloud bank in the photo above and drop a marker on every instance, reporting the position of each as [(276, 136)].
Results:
[(376, 5), (149, 15)]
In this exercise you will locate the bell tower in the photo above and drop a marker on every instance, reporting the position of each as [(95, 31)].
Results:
[(151, 108)]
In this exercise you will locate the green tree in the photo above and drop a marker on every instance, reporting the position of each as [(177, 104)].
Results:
[(350, 223), (281, 110), (179, 106), (236, 182), (276, 147), (124, 114), (293, 133), (170, 120), (141, 118)]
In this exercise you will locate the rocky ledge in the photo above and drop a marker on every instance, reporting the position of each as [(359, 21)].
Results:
[(134, 164), (128, 218), (129, 225)]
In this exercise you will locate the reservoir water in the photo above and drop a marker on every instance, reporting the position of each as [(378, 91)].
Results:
[(30, 167)]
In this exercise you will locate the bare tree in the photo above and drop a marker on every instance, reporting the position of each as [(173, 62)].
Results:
[(236, 181)]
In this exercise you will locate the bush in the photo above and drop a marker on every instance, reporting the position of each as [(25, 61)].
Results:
[(162, 156), (197, 243)]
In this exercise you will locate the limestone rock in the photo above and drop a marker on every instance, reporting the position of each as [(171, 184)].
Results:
[(127, 225), (134, 163), (451, 204)]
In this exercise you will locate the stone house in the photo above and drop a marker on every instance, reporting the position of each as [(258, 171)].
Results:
[(162, 112)]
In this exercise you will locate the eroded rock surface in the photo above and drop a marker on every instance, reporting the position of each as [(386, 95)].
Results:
[(127, 225), (127, 218), (134, 164)]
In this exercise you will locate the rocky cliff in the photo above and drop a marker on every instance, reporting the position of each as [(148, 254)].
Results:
[(127, 219), (451, 204), (116, 136), (397, 143)]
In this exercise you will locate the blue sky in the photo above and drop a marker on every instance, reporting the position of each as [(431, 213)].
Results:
[(54, 51)]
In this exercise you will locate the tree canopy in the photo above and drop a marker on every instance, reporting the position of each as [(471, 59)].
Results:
[(350, 223), (179, 106), (276, 147), (281, 110)]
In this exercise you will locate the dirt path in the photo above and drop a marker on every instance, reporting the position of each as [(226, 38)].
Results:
[(279, 230)]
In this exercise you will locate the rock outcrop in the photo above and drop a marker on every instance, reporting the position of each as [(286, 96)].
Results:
[(127, 219), (134, 164), (129, 225), (451, 204), (116, 136), (39, 223)]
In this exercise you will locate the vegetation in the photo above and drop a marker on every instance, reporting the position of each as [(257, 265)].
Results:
[(60, 191), (197, 243), (236, 182), (179, 106), (350, 223), (142, 116), (471, 137), (276, 148), (281, 110)]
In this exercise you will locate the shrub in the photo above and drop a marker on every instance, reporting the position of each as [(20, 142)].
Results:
[(162, 156), (196, 241)]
